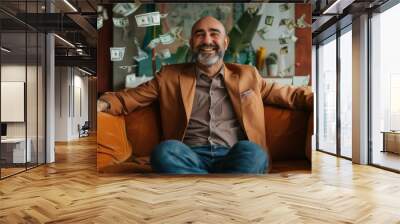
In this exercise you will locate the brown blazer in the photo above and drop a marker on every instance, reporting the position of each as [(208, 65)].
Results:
[(174, 87)]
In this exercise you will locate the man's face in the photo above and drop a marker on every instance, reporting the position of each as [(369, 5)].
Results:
[(208, 41)]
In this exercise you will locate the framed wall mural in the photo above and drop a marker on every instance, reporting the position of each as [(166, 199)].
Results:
[(148, 36)]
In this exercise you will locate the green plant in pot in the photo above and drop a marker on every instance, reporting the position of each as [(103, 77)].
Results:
[(272, 64)]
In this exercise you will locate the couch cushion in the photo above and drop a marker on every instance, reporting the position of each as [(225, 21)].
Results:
[(285, 132), (143, 130)]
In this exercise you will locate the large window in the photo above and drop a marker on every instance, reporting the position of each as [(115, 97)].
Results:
[(327, 96), (385, 89), (334, 61), (346, 93), (22, 77)]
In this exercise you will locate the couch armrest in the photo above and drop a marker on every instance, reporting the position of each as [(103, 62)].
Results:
[(113, 147), (286, 133), (310, 132)]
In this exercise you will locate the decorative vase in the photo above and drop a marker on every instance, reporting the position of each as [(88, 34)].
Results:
[(272, 70), (282, 65), (260, 58)]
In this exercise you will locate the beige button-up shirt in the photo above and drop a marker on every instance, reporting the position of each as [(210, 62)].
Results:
[(213, 120)]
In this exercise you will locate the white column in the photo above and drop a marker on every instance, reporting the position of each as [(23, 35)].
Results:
[(360, 90), (314, 89), (50, 98)]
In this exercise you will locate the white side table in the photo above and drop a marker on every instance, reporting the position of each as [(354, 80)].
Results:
[(17, 146)]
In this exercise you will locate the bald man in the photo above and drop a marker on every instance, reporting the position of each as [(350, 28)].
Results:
[(212, 113)]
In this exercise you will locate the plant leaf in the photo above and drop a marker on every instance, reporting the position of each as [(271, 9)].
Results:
[(243, 31)]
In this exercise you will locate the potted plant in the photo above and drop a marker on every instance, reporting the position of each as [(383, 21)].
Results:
[(272, 64)]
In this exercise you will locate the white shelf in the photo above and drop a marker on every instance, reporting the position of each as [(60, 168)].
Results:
[(290, 80), (16, 147)]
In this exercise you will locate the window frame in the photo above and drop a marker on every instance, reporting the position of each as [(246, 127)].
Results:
[(334, 37)]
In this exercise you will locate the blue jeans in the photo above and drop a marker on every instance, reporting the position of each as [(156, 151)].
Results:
[(174, 157)]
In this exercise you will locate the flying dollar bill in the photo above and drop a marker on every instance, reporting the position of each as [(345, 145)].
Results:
[(289, 23), (261, 32), (148, 19), (282, 40), (126, 9), (142, 55), (284, 50), (301, 22), (163, 15), (136, 42), (165, 53), (252, 9), (153, 43), (284, 22), (177, 32), (269, 20), (132, 81), (284, 7), (99, 22), (167, 38), (117, 53), (121, 22), (293, 38), (105, 14), (128, 68)]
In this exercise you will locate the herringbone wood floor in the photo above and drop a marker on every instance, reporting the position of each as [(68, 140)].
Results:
[(70, 191)]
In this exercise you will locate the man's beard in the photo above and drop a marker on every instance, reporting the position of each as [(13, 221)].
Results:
[(205, 58)]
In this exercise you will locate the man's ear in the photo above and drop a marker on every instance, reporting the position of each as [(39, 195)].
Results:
[(226, 41)]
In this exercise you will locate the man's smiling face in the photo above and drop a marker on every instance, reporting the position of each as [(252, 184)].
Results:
[(208, 41)]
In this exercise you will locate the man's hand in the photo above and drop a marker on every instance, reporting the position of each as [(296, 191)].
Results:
[(102, 106)]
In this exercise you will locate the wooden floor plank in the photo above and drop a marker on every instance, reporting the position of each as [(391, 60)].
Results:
[(71, 191)]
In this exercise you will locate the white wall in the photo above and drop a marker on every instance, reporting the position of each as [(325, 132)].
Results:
[(80, 111), (275, 32), (61, 103), (15, 72), (71, 102), (33, 127)]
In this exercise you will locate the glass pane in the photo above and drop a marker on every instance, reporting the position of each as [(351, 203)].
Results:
[(41, 98), (314, 89), (386, 89), (32, 87), (327, 97), (13, 86), (23, 87), (346, 94), (31, 97)]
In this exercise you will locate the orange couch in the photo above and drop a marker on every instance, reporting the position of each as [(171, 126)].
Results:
[(125, 142)]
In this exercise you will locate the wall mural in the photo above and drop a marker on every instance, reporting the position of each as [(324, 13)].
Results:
[(147, 36)]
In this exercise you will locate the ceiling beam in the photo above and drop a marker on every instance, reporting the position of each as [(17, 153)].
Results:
[(83, 61), (84, 24), (320, 22), (337, 7)]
